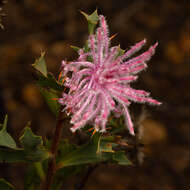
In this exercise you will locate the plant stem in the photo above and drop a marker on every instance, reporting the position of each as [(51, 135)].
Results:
[(54, 147)]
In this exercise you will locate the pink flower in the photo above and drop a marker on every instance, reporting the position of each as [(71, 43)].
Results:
[(100, 81)]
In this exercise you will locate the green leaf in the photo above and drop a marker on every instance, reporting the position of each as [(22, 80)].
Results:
[(32, 151), (99, 149), (37, 155), (11, 155), (21, 155), (29, 140), (92, 20), (121, 158), (65, 148), (33, 146), (40, 65), (75, 48), (50, 98), (5, 185), (106, 146), (120, 52), (5, 139), (85, 154), (50, 82), (46, 79)]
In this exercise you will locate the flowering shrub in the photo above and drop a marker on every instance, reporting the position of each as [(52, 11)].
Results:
[(90, 89)]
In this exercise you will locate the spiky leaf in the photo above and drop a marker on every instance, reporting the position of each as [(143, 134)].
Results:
[(32, 151), (40, 65), (5, 139), (92, 20), (85, 154), (29, 140)]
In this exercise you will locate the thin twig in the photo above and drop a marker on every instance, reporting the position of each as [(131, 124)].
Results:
[(52, 162)]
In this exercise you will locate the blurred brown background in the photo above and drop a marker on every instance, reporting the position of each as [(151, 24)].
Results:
[(32, 26)]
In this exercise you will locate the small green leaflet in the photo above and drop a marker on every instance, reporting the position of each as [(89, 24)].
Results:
[(5, 139), (29, 140), (92, 20), (40, 65)]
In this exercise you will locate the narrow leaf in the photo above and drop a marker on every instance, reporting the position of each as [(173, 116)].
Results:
[(5, 123), (75, 48)]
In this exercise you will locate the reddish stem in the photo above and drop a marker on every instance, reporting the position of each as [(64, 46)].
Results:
[(54, 147)]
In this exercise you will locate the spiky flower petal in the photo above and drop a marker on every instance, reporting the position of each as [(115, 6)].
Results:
[(100, 81)]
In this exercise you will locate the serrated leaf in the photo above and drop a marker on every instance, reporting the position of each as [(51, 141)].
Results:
[(33, 146), (92, 20), (5, 139), (40, 65), (97, 150), (85, 154), (121, 158), (5, 185), (50, 82), (51, 100), (21, 155), (32, 151), (29, 140)]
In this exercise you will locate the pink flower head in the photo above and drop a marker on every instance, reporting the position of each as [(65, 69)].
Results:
[(100, 81)]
